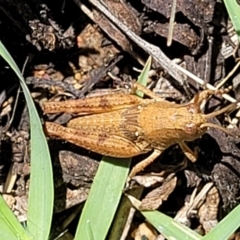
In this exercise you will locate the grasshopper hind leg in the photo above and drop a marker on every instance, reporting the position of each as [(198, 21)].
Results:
[(105, 144), (102, 143)]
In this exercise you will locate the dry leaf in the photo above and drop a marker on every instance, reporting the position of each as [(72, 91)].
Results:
[(155, 198)]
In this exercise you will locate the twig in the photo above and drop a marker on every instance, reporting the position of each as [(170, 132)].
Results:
[(84, 9), (204, 84), (171, 23), (229, 75), (89, 13), (152, 50)]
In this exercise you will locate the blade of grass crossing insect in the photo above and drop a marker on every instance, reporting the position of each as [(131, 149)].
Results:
[(170, 228), (103, 199), (10, 226), (40, 202), (233, 9), (106, 190)]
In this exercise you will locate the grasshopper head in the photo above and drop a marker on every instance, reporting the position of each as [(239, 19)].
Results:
[(199, 121), (194, 126)]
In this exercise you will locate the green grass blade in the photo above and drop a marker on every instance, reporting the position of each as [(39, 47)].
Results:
[(169, 227), (233, 9), (226, 227), (40, 202), (10, 227), (143, 77), (103, 199)]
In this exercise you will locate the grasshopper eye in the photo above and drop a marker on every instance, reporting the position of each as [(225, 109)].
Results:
[(190, 128)]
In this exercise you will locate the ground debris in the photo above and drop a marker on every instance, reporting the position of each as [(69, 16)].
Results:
[(75, 55)]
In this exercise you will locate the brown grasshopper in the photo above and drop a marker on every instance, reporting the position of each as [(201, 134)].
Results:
[(125, 125)]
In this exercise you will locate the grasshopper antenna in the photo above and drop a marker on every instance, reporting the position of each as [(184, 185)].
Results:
[(216, 113)]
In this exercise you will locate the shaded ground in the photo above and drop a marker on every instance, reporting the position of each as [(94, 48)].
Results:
[(66, 55)]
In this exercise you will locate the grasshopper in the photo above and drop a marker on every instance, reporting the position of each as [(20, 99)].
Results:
[(125, 125)]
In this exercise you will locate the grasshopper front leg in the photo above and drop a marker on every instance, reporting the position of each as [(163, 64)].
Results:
[(156, 153), (205, 94), (192, 156)]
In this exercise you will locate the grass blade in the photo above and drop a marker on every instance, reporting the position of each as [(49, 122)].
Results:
[(143, 77), (40, 202), (226, 227), (233, 9), (103, 199), (169, 227), (10, 227)]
